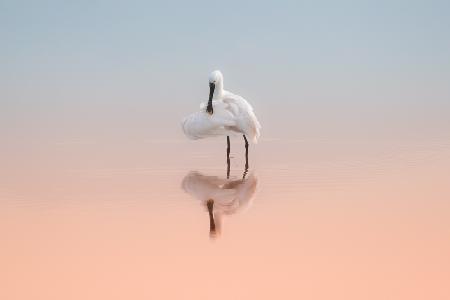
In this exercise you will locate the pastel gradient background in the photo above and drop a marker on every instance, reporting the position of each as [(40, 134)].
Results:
[(353, 165)]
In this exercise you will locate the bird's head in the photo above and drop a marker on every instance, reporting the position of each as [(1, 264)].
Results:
[(215, 77), (215, 80)]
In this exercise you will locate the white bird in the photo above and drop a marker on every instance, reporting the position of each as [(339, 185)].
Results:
[(220, 196), (224, 114)]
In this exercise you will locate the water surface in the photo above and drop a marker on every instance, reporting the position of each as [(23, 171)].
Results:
[(319, 219)]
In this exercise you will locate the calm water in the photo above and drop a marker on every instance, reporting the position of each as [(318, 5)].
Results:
[(313, 219)]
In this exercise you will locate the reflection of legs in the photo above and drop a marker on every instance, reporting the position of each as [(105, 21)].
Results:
[(246, 152), (245, 174), (212, 224), (228, 157)]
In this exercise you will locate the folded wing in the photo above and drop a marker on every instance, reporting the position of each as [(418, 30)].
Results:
[(244, 116)]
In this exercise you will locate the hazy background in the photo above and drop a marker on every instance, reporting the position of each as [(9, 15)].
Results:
[(70, 71), (353, 166)]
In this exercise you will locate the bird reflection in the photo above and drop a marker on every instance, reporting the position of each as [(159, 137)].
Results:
[(220, 196)]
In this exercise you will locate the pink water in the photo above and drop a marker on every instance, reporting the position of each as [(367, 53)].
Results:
[(329, 219)]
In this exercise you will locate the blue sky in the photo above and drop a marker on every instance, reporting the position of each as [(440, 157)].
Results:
[(318, 33), (300, 55)]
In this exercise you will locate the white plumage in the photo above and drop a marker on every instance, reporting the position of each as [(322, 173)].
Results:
[(230, 196), (230, 114), (220, 196)]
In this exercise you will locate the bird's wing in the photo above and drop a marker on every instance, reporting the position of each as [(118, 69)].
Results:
[(245, 189), (205, 187), (201, 124), (243, 114)]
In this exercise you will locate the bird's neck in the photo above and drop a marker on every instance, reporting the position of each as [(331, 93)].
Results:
[(218, 91)]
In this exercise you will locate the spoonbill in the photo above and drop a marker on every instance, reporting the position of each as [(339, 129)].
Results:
[(224, 114), (220, 196)]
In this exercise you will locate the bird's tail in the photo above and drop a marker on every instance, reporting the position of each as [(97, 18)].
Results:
[(254, 127)]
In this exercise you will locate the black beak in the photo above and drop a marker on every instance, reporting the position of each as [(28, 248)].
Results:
[(209, 108)]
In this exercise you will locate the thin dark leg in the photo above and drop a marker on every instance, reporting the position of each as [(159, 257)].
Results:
[(246, 152), (228, 157)]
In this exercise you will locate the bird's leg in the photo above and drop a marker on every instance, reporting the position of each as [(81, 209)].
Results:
[(228, 157), (246, 153), (212, 224)]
